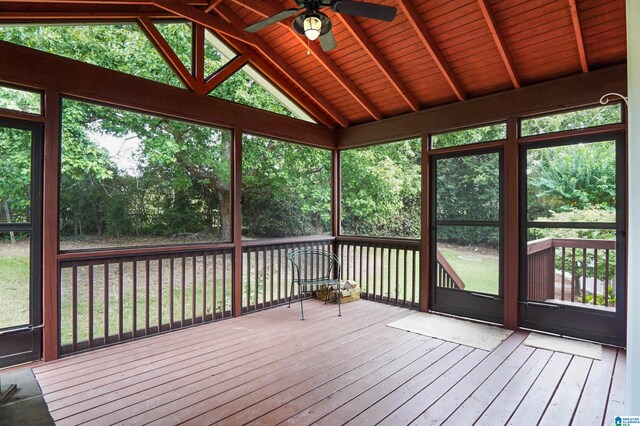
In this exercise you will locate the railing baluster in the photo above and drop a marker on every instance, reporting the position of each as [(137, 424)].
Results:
[(204, 287), (147, 286), (375, 272), (74, 306), (271, 276), (193, 287), (134, 316), (120, 304), (257, 277), (397, 273), (595, 277), (264, 278), (214, 287), (563, 271), (183, 296), (573, 274), (584, 275), (404, 278), (159, 293), (90, 331), (106, 301), (171, 285), (413, 278), (606, 277), (286, 273), (224, 283), (279, 275), (248, 255)]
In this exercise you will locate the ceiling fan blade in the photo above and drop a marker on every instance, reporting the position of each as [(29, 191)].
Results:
[(271, 20), (327, 41), (368, 10)]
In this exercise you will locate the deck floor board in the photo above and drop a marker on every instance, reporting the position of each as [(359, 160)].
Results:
[(269, 368)]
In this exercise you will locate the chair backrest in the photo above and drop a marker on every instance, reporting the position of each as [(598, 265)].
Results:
[(314, 263)]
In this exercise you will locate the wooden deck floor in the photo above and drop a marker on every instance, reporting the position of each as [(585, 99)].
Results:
[(270, 367)]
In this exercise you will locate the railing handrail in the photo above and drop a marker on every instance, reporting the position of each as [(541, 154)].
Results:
[(449, 270), (287, 240), (118, 253), (380, 241), (583, 243)]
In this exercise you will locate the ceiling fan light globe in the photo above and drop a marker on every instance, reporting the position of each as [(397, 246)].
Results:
[(312, 27)]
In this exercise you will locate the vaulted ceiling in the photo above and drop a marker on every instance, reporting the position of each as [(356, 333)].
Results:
[(434, 52)]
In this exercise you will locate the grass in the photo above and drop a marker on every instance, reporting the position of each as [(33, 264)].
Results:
[(14, 291), (479, 271)]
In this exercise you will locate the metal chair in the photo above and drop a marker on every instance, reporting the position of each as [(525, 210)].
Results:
[(314, 267)]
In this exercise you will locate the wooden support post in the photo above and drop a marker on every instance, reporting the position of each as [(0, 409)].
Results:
[(425, 226), (197, 57), (236, 193), (511, 227), (336, 185), (50, 226), (632, 403)]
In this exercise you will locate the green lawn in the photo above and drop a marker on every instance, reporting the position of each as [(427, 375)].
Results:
[(14, 291), (479, 271)]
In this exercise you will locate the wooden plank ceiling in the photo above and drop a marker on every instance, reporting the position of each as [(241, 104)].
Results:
[(434, 52)]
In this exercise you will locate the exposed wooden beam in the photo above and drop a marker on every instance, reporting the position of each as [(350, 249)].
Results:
[(225, 72), (197, 57), (432, 47), (167, 53), (266, 8), (363, 40), (196, 15), (273, 57), (46, 71), (500, 43), (578, 31), (138, 2), (212, 5), (31, 16), (568, 92)]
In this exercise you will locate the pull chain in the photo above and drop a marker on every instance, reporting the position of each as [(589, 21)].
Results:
[(308, 48)]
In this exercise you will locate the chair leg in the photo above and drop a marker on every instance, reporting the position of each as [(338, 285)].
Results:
[(291, 295), (339, 296), (301, 308)]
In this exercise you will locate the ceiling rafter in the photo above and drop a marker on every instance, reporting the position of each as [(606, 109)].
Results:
[(432, 47), (225, 72), (578, 31), (167, 53), (284, 67), (266, 8), (365, 42), (40, 15), (500, 43), (212, 5), (131, 2)]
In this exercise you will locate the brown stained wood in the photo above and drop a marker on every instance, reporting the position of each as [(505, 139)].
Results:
[(268, 8), (93, 83), (562, 406), (363, 40), (513, 395), (195, 388), (615, 402), (198, 56), (577, 90), (489, 17), (51, 177), (511, 239), (446, 405), (167, 53), (431, 46), (224, 73), (593, 404), (575, 20), (535, 401), (283, 66), (236, 202)]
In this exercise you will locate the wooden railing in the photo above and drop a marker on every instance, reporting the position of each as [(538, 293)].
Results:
[(267, 274), (572, 270), (446, 276), (387, 270), (125, 294)]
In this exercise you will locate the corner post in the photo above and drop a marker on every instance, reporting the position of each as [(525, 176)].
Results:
[(336, 184), (425, 226), (236, 182), (510, 261), (632, 404), (51, 180)]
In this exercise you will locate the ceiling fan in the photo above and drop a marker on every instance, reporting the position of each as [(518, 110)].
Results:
[(314, 24)]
